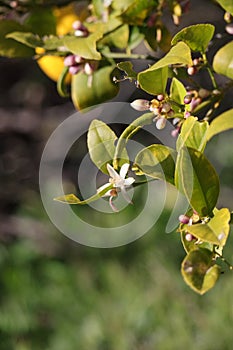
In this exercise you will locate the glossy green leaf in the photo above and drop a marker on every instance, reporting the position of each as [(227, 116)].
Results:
[(10, 47), (153, 81), (198, 270), (193, 134), (196, 178), (215, 231), (88, 91), (137, 12), (223, 60), (227, 5), (72, 199), (191, 245), (156, 161), (28, 39), (84, 47), (177, 91), (41, 21), (127, 67), (132, 129), (222, 123), (101, 145), (197, 36)]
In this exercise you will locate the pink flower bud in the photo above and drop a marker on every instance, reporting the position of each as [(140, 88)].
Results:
[(88, 68), (189, 237), (160, 97), (188, 99), (140, 105), (184, 219), (187, 114), (74, 69), (70, 60), (175, 132), (191, 70), (229, 28)]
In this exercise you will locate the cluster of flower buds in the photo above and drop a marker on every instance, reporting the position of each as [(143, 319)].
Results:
[(194, 98), (77, 64), (190, 220), (197, 64), (161, 108), (79, 29)]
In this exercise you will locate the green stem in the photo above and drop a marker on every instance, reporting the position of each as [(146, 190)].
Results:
[(209, 70), (132, 129)]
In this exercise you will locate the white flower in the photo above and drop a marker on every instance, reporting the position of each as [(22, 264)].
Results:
[(119, 184)]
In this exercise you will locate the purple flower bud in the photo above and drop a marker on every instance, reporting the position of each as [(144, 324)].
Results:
[(184, 219), (70, 60), (161, 123), (194, 103), (175, 132), (74, 69), (79, 59), (80, 29), (187, 114), (140, 105), (188, 99)]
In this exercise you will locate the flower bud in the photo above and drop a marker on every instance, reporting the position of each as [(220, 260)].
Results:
[(166, 107), (203, 93), (194, 103), (187, 114), (88, 68), (140, 105), (184, 219), (175, 132), (191, 70), (80, 29), (74, 69), (160, 97), (229, 28), (189, 237), (188, 99), (175, 121), (70, 60), (161, 123)]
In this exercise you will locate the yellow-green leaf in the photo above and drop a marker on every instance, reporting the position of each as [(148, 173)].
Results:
[(222, 123), (223, 60)]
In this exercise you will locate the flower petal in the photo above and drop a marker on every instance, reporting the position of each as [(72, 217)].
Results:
[(112, 172), (114, 208), (125, 195), (129, 181), (124, 170)]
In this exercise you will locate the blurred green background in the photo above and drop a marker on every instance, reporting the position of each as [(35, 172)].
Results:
[(58, 295)]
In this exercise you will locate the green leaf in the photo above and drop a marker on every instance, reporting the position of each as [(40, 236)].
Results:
[(193, 134), (177, 91), (72, 199), (223, 60), (41, 21), (28, 39), (132, 129), (117, 38), (222, 123), (227, 5), (61, 85), (156, 161), (137, 11), (153, 81), (191, 245), (127, 67), (87, 93), (215, 231), (10, 47), (197, 36), (198, 270), (196, 178), (101, 145), (84, 47), (135, 37)]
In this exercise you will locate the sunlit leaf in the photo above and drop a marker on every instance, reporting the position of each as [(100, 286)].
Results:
[(153, 81), (227, 5), (197, 36), (222, 123), (137, 12), (191, 245), (223, 60), (193, 134), (101, 145), (28, 39), (215, 231), (10, 47), (177, 91), (156, 161), (89, 91), (72, 199), (84, 47), (198, 270), (196, 178)]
